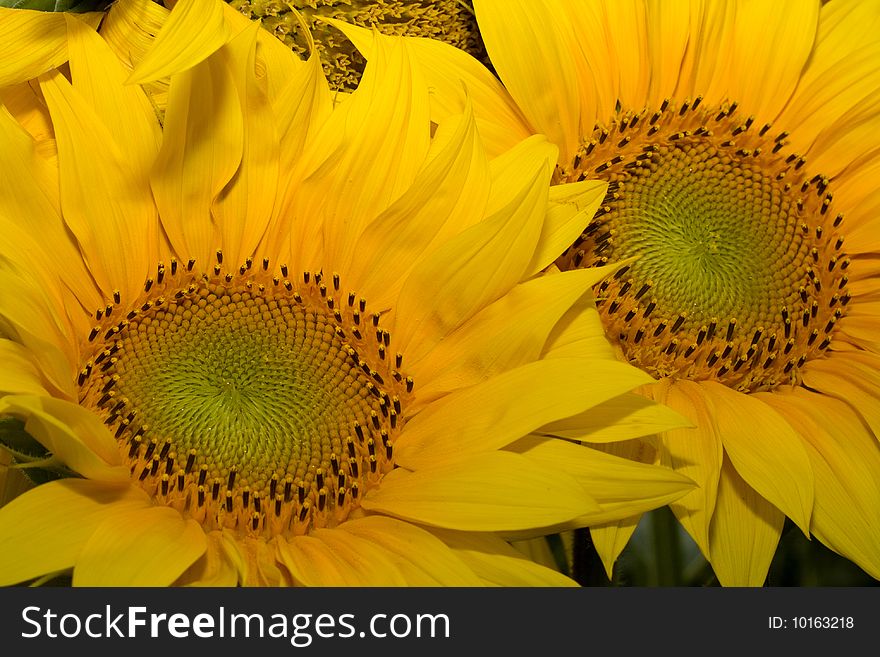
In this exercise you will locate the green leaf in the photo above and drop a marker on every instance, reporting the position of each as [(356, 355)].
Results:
[(75, 6)]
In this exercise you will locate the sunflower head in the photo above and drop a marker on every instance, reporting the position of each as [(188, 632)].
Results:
[(287, 341)]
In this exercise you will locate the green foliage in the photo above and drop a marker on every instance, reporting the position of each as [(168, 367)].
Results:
[(74, 6)]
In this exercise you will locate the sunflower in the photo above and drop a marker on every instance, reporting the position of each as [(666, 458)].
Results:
[(741, 144), (282, 342)]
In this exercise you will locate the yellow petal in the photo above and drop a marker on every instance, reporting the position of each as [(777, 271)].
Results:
[(144, 547), (696, 453), (31, 43), (124, 110), (244, 207), (109, 207), (471, 270), (533, 46), (45, 529), (30, 189), (849, 381), (845, 458), (312, 563), (777, 467), (508, 333), (621, 486), (220, 565), (498, 563), (485, 417), (670, 26), (19, 376), (378, 139), (623, 417), (493, 491), (201, 151), (423, 559), (570, 209), (74, 435), (456, 77), (32, 320), (744, 533), (447, 196), (369, 564), (841, 75), (788, 21), (611, 538), (194, 30)]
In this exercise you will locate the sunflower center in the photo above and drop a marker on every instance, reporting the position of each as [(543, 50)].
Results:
[(737, 272), (248, 401)]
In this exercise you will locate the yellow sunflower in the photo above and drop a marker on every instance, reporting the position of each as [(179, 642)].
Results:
[(741, 144), (282, 342)]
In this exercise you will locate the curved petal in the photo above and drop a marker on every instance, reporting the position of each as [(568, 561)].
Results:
[(245, 206), (145, 547), (506, 334), (110, 207), (470, 271), (765, 451), (31, 43), (492, 491), (201, 151), (19, 376), (220, 565), (423, 559), (744, 533), (623, 487), (124, 110), (483, 417), (845, 458), (45, 529), (194, 30), (498, 563), (457, 77), (694, 452), (447, 196), (534, 48), (74, 435), (625, 416)]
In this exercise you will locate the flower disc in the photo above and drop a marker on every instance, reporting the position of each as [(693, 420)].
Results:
[(226, 392), (737, 273)]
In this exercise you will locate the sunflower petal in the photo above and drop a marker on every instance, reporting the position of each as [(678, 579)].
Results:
[(845, 459), (492, 491), (74, 435), (744, 533), (506, 334), (695, 452), (31, 43), (470, 271), (244, 207), (194, 30), (99, 78), (481, 417), (622, 487), (201, 150), (19, 376), (456, 77), (45, 529), (110, 207), (158, 544), (423, 559), (765, 451), (544, 78), (498, 563)]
